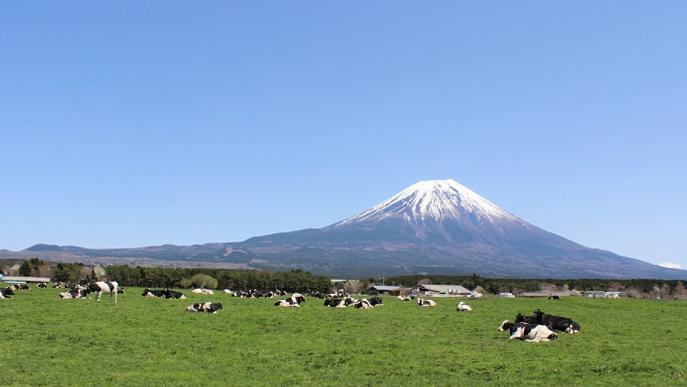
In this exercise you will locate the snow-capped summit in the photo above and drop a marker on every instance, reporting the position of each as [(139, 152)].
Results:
[(434, 200)]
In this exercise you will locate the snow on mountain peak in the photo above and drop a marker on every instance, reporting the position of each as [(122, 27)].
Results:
[(434, 200)]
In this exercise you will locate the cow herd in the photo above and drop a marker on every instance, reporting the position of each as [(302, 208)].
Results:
[(534, 328), (345, 302)]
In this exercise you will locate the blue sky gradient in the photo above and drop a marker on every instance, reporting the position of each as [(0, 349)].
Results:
[(138, 123)]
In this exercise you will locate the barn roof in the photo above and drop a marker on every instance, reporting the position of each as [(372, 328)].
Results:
[(24, 279), (384, 288), (449, 289)]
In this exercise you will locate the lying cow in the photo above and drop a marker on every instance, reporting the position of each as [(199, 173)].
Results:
[(76, 294), (2, 295), (164, 293), (363, 304), (402, 298), (424, 302), (337, 302), (206, 292), (374, 301), (41, 285), (206, 307), (557, 323), (528, 332), (526, 319), (294, 301), (463, 307)]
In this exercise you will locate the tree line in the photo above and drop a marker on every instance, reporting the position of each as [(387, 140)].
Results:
[(290, 281)]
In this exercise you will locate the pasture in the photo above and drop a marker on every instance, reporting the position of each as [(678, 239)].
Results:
[(154, 342)]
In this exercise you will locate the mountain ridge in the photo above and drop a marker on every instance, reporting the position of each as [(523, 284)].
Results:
[(432, 227)]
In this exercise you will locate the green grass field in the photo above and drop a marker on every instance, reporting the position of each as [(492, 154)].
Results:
[(154, 342)]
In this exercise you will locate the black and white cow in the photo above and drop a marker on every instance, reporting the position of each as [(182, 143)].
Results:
[(41, 285), (3, 295), (403, 298), (528, 332), (338, 302), (463, 307), (424, 302), (206, 307), (520, 318), (375, 301), (554, 297), (294, 301), (363, 304), (76, 293), (101, 287), (557, 323), (8, 291), (163, 293)]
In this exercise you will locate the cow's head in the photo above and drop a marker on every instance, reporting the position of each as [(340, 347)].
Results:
[(506, 326), (573, 327)]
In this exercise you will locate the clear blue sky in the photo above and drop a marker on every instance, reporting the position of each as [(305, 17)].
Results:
[(136, 122)]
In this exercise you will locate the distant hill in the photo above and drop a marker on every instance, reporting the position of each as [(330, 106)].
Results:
[(433, 227)]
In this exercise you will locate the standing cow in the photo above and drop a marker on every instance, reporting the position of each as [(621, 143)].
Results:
[(101, 287)]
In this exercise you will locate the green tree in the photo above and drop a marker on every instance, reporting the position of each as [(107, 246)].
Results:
[(25, 269)]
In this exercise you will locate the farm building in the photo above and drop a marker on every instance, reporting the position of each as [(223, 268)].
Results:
[(602, 294), (443, 290), (18, 279), (386, 290), (544, 294)]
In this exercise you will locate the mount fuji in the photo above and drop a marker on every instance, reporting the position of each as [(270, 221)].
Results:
[(443, 227), (433, 227)]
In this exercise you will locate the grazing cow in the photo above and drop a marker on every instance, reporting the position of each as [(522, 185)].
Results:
[(463, 307), (557, 323), (101, 287), (293, 301), (206, 307), (424, 302), (41, 285), (528, 332), (80, 294), (206, 292)]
